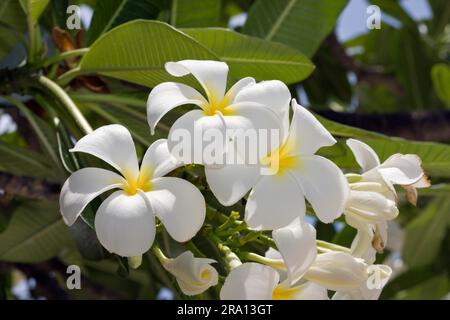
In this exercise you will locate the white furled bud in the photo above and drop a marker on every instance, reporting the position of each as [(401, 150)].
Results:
[(338, 271), (194, 275)]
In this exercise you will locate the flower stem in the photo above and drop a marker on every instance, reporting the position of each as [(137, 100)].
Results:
[(65, 55), (67, 101), (274, 263), (331, 246), (159, 254)]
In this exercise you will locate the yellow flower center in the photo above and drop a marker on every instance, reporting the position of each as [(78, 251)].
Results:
[(214, 106), (142, 182), (281, 159), (283, 293)]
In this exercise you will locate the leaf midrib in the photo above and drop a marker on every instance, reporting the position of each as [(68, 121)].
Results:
[(41, 231), (280, 20)]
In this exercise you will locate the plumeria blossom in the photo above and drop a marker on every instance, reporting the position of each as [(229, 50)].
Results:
[(243, 106), (194, 275), (125, 221), (298, 173), (307, 275), (402, 169), (373, 199)]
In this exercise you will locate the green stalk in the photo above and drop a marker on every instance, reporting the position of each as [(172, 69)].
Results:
[(65, 55), (67, 101)]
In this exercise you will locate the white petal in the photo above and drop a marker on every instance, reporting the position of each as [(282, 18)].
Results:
[(238, 87), (338, 271), (306, 134), (125, 224), (188, 139), (370, 207), (158, 161), (231, 182), (82, 187), (212, 75), (403, 169), (114, 145), (380, 275), (194, 275), (274, 203), (261, 118), (179, 205), (324, 186), (364, 154), (250, 281), (168, 95), (362, 243), (310, 291), (273, 94), (297, 245)]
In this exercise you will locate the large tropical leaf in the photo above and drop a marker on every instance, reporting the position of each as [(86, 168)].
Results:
[(23, 162), (111, 13), (435, 156), (425, 233), (195, 13), (250, 56), (302, 24), (137, 51), (36, 233)]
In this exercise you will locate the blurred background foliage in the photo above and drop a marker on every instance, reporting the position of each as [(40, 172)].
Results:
[(389, 87)]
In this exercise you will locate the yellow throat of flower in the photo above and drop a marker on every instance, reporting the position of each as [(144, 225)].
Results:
[(215, 105), (281, 159), (141, 183), (283, 293)]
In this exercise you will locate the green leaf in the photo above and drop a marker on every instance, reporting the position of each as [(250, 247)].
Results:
[(435, 156), (111, 13), (45, 134), (302, 24), (432, 289), (24, 162), (440, 73), (195, 13), (36, 233), (425, 233), (137, 51), (250, 56), (12, 24), (34, 8)]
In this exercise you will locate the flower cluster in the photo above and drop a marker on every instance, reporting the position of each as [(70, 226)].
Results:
[(286, 174)]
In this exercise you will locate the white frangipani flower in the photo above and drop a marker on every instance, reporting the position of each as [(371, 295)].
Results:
[(194, 275), (298, 173), (246, 105), (125, 221), (402, 169)]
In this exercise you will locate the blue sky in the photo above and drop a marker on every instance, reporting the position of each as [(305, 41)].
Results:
[(352, 21)]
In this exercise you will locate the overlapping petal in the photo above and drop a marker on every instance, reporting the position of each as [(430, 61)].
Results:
[(321, 179), (297, 245), (212, 75), (274, 203), (403, 169), (179, 205), (158, 161), (167, 96), (82, 187), (125, 224), (306, 134), (250, 281), (364, 154), (114, 145)]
